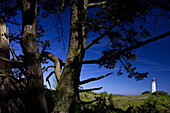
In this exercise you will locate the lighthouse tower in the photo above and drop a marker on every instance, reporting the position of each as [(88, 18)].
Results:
[(153, 85)]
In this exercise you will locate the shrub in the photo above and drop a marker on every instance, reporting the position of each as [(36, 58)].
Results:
[(160, 93), (146, 92)]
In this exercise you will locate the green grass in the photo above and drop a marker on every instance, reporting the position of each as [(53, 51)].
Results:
[(107, 103), (120, 101)]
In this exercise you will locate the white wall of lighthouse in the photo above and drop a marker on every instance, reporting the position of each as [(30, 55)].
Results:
[(153, 85)]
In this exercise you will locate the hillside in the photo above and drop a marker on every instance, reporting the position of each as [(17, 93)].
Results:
[(157, 102), (90, 102)]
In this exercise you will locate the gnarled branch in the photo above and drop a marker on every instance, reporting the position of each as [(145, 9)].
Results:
[(94, 79), (58, 63)]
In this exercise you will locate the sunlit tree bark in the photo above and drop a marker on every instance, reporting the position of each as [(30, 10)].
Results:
[(9, 89), (69, 81)]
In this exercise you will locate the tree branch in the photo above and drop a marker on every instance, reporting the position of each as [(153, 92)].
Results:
[(85, 90), (99, 26), (13, 53), (98, 4), (94, 79), (101, 36), (43, 49), (111, 27), (139, 44), (89, 102), (9, 61), (90, 62), (47, 79), (58, 63), (47, 68)]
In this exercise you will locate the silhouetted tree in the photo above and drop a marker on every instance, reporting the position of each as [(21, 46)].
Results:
[(124, 40), (113, 19)]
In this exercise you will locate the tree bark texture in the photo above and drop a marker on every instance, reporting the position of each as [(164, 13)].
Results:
[(4, 49), (70, 78), (9, 89), (34, 95)]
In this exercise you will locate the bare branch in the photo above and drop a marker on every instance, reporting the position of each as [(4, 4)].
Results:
[(85, 90), (43, 49), (47, 68), (9, 61), (47, 79), (58, 63), (13, 53), (94, 79), (98, 4)]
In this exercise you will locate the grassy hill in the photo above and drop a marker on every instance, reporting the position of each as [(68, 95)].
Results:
[(158, 102), (147, 102)]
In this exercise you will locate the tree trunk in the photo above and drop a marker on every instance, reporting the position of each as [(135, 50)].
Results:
[(34, 98), (70, 78), (9, 89)]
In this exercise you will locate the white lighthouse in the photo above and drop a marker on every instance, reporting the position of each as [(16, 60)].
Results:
[(153, 85)]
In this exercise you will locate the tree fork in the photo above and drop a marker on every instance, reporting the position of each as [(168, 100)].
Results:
[(69, 81)]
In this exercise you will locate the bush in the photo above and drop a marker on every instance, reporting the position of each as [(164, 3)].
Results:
[(154, 104), (160, 93), (146, 92)]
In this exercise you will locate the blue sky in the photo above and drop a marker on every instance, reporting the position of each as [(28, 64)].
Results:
[(152, 58)]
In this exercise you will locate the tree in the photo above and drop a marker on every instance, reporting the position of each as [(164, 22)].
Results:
[(104, 22), (34, 90), (9, 89), (113, 19)]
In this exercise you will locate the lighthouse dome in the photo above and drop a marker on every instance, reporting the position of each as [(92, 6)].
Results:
[(153, 79)]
